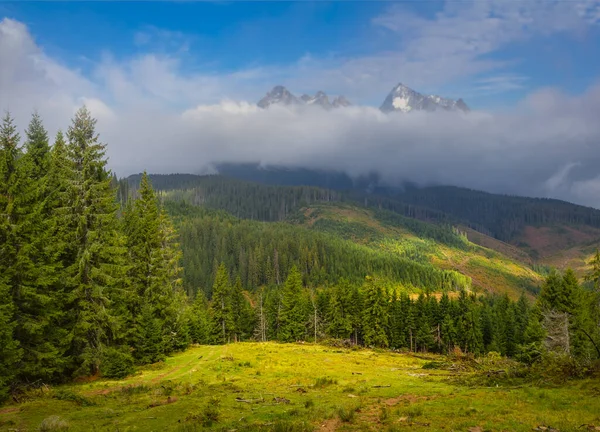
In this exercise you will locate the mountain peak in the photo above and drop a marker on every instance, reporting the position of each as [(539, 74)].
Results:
[(278, 95), (404, 99), (340, 101), (281, 96)]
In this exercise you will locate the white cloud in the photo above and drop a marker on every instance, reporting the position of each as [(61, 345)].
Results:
[(155, 117)]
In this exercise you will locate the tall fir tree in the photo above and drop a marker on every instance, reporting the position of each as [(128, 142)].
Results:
[(10, 352), (222, 324), (243, 315), (374, 314), (340, 303), (293, 314), (95, 263), (35, 289)]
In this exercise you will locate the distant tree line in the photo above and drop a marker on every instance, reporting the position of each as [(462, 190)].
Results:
[(373, 314), (499, 216)]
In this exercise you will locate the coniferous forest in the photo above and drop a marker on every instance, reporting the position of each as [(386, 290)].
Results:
[(97, 278)]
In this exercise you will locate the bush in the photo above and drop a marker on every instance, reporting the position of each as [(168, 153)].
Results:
[(346, 414), (324, 382), (557, 367), (53, 424), (67, 395), (116, 363)]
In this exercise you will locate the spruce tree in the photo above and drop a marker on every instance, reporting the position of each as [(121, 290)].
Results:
[(292, 317), (375, 314), (220, 308), (339, 318), (10, 352), (243, 315), (95, 265), (199, 323), (36, 285), (149, 342)]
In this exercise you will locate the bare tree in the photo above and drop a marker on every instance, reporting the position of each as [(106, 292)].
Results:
[(556, 324), (261, 328)]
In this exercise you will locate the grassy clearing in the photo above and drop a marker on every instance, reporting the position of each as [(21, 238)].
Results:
[(299, 387)]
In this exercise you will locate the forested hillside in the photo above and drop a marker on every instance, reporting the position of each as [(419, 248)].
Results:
[(549, 232)]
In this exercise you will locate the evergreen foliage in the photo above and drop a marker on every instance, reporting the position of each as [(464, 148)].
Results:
[(293, 316), (72, 301)]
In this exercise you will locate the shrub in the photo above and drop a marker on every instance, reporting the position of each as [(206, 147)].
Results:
[(68, 395), (116, 363), (53, 424), (324, 382), (557, 367), (346, 414)]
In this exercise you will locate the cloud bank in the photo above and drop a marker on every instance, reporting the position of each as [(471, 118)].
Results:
[(149, 115)]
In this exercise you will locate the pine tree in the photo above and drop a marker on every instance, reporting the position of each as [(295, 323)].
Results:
[(95, 265), (199, 323), (339, 318), (243, 319), (10, 352), (375, 316), (149, 342), (222, 324), (551, 295), (293, 312), (37, 292)]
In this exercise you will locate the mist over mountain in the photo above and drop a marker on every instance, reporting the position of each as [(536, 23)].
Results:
[(281, 96), (545, 145)]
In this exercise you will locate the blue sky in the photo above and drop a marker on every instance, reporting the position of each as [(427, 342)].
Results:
[(174, 86), (310, 46)]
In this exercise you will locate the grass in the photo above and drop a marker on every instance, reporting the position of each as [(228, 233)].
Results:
[(300, 387)]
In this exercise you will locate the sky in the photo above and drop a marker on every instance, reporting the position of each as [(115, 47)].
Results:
[(174, 86)]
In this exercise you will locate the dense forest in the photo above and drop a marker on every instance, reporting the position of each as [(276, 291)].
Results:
[(500, 216), (99, 275), (263, 253)]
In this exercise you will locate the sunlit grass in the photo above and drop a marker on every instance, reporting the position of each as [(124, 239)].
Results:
[(300, 387)]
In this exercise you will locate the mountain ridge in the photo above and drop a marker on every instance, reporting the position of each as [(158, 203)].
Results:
[(400, 99), (279, 95)]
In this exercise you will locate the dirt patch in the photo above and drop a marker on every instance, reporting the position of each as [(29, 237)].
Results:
[(330, 425), (9, 410), (406, 399)]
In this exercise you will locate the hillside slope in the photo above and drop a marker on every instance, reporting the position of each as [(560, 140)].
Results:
[(316, 227), (548, 232), (488, 269)]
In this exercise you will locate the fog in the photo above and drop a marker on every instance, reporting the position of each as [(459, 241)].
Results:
[(547, 145)]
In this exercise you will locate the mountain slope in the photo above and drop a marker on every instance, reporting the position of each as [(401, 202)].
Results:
[(442, 247), (544, 231), (342, 237)]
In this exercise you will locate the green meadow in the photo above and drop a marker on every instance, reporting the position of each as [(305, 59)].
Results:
[(305, 387)]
